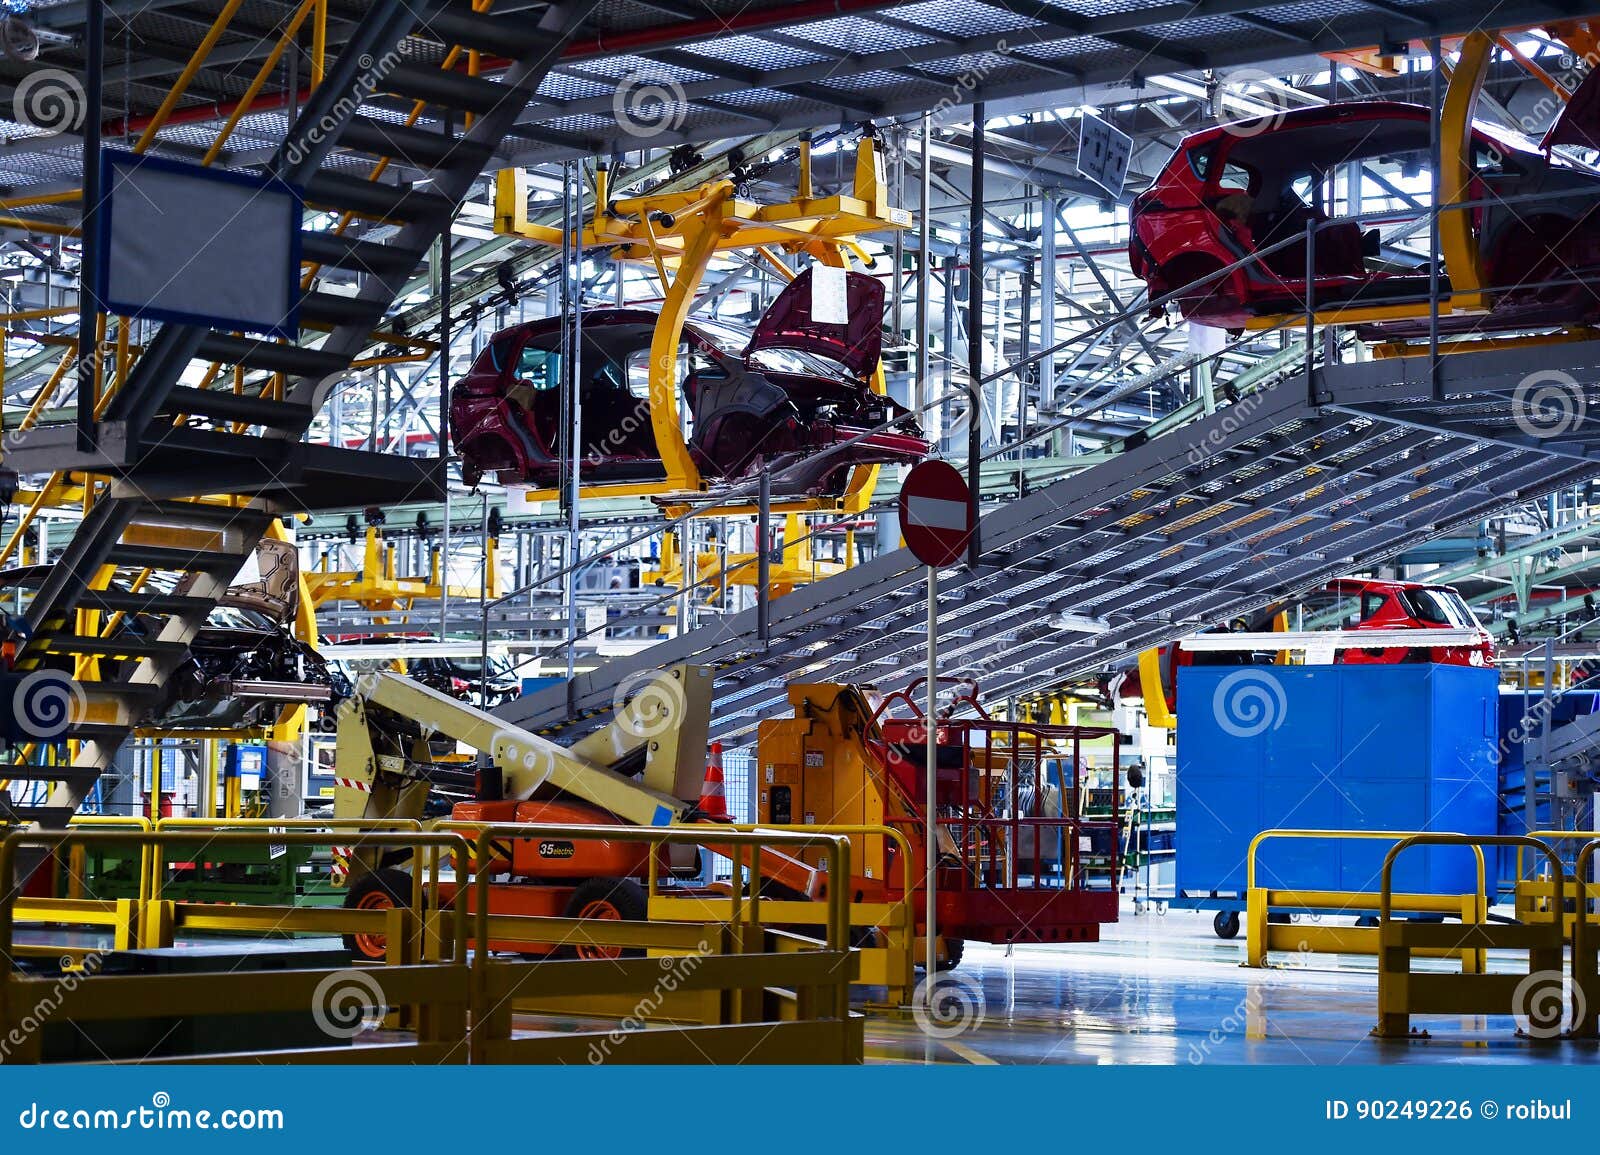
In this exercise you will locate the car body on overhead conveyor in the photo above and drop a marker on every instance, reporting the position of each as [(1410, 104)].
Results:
[(793, 397), (1234, 191)]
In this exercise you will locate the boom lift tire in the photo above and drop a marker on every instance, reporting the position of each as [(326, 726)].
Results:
[(619, 899), (949, 956), (377, 890)]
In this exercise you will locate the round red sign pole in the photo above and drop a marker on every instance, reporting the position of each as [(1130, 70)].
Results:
[(936, 520)]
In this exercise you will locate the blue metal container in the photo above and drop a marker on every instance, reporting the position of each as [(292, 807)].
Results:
[(1410, 746)]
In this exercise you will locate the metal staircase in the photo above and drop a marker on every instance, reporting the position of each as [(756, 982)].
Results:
[(1259, 500), (185, 504)]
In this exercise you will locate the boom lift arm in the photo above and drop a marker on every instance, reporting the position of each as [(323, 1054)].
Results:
[(663, 726), (646, 768)]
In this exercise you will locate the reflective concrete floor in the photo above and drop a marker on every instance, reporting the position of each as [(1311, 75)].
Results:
[(1165, 989)]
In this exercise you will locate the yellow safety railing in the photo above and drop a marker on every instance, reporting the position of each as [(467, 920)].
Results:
[(742, 989), (1535, 891), (437, 995), (76, 859), (749, 974), (1585, 947), (1403, 992), (1262, 936), (891, 963)]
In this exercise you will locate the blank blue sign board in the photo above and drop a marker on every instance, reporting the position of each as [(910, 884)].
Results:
[(205, 246)]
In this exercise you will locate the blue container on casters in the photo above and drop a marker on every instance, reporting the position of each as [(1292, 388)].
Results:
[(1408, 746)]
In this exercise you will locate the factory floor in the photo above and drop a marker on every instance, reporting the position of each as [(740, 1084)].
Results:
[(1166, 990), (1160, 989)]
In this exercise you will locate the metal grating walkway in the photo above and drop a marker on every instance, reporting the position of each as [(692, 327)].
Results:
[(1260, 500)]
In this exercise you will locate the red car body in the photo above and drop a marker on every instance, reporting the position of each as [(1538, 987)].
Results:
[(779, 398), (1387, 605), (1345, 604), (1233, 190)]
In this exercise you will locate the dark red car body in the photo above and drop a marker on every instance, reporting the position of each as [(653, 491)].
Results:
[(1233, 190), (778, 398)]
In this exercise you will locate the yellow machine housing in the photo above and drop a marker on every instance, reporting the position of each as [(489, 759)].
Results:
[(815, 769)]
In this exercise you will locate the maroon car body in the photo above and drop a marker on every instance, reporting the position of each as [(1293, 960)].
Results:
[(777, 398), (1234, 190)]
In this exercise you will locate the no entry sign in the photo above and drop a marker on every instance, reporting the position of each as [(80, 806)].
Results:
[(936, 513)]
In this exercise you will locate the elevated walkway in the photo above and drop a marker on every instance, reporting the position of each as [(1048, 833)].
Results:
[(1254, 502)]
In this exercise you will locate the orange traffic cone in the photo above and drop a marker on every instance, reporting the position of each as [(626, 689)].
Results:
[(713, 798)]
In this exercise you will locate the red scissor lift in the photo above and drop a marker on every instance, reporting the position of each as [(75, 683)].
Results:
[(1018, 862)]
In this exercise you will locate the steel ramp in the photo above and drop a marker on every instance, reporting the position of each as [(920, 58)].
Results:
[(1261, 500), (163, 446)]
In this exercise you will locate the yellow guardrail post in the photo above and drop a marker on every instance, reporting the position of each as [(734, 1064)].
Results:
[(1533, 893), (1255, 920), (1260, 900), (1403, 992), (899, 930), (1585, 968)]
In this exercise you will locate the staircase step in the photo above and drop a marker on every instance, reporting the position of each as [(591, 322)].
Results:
[(48, 817), (34, 772), (356, 256), (332, 309), (173, 558), (130, 602), (130, 693), (226, 406), (253, 353), (201, 513), (449, 89), (114, 647), (375, 199), (416, 147), (515, 36), (98, 731)]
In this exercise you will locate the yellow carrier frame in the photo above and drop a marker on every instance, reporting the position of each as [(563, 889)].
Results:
[(680, 234)]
